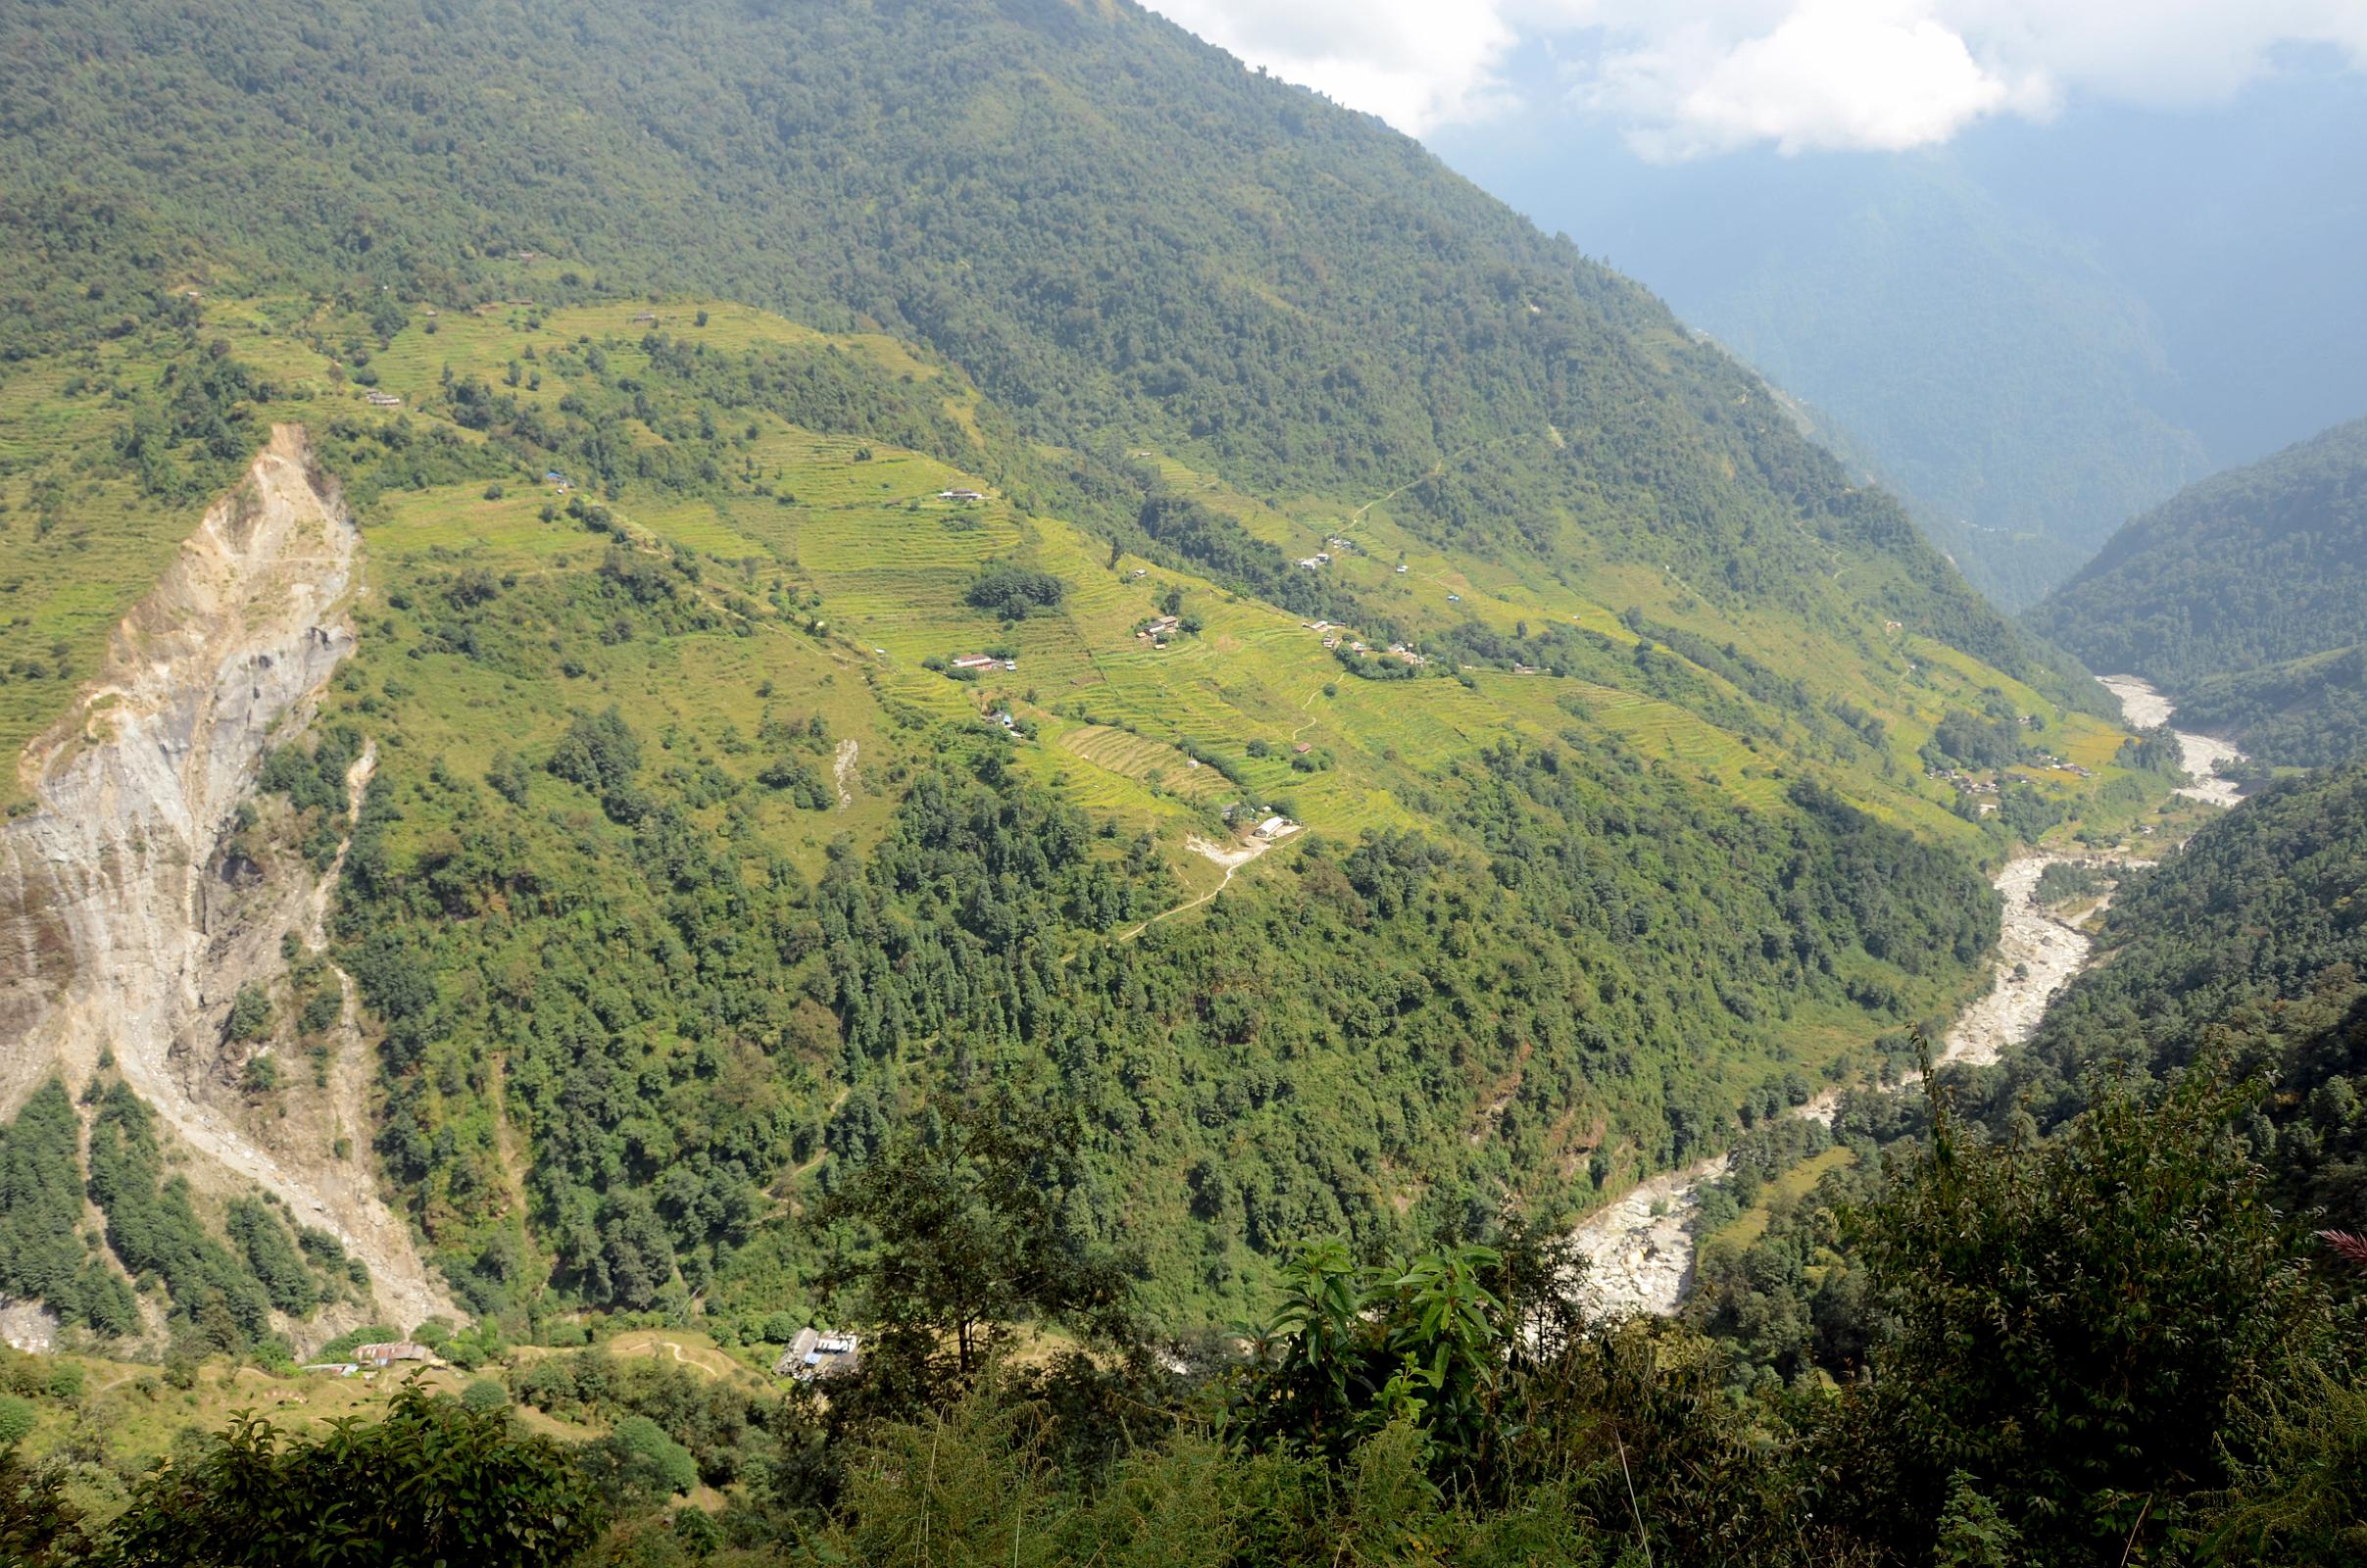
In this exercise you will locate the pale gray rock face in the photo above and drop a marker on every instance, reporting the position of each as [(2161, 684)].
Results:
[(115, 931)]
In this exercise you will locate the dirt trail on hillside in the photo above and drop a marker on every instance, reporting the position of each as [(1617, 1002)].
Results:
[(122, 927), (1231, 859)]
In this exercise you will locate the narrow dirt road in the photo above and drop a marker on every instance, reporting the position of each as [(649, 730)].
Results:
[(1232, 859)]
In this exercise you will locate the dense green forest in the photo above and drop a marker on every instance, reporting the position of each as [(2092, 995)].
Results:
[(633, 987), (2242, 597), (2012, 1396), (632, 979), (2305, 713)]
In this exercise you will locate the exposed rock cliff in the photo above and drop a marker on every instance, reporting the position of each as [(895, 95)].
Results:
[(115, 930)]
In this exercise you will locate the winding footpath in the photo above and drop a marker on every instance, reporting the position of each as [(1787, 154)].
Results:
[(1231, 859), (1640, 1250)]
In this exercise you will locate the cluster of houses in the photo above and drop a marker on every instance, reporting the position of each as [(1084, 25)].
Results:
[(1973, 784), (383, 400), (817, 1354), (1963, 780), (1268, 829), (369, 1358), (983, 662), (1316, 562), (1335, 638), (1985, 791), (1157, 631)]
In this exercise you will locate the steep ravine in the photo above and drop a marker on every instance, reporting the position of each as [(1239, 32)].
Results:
[(118, 930), (1640, 1250)]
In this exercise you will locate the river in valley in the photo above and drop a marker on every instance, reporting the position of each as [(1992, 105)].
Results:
[(1640, 1250), (2146, 709)]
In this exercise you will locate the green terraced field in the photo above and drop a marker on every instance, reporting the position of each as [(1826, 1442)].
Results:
[(854, 529), (77, 549)]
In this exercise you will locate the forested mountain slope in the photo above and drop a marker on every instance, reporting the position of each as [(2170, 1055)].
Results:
[(773, 720), (1126, 239), (1980, 361), (2243, 597)]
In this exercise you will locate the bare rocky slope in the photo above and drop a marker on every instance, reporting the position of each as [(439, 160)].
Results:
[(120, 931)]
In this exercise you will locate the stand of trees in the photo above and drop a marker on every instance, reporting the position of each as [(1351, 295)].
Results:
[(2108, 1346)]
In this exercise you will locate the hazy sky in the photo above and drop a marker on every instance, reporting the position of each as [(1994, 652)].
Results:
[(1685, 79)]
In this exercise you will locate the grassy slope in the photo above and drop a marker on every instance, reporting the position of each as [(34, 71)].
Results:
[(68, 578), (890, 562)]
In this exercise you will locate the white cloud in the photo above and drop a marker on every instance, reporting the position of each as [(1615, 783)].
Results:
[(1414, 63), (1684, 78), (1832, 74)]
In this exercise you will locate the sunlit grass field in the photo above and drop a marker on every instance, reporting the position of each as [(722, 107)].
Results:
[(875, 568)]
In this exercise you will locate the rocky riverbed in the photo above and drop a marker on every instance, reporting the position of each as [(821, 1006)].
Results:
[(2037, 957), (2148, 708), (1640, 1250)]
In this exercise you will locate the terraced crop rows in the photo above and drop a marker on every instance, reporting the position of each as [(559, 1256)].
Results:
[(1148, 761)]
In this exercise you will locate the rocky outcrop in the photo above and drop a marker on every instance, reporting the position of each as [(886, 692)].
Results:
[(117, 929)]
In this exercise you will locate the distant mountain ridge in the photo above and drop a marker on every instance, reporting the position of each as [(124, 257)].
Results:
[(2034, 332)]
